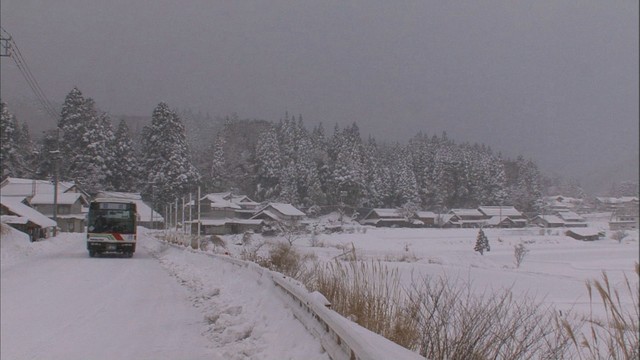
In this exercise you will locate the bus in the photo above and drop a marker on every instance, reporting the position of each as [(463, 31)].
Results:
[(111, 227)]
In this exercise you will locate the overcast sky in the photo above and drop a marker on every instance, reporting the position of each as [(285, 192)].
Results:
[(556, 81)]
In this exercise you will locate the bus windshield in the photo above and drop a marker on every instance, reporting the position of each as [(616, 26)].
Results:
[(112, 217)]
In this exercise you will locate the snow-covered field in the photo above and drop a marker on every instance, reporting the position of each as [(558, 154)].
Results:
[(170, 303), (555, 270)]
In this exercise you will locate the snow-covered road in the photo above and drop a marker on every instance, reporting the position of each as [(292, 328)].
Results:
[(164, 303)]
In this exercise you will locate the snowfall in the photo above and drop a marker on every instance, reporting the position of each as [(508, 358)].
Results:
[(173, 302)]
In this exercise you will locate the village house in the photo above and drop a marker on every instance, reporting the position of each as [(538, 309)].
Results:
[(464, 218), (428, 218), (625, 218), (503, 216), (15, 212), (388, 218), (71, 207), (548, 221), (226, 213), (584, 234), (572, 219), (279, 212)]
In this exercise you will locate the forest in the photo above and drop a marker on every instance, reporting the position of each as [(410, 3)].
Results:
[(269, 161)]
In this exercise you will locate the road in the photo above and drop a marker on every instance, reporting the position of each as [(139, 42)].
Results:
[(58, 303)]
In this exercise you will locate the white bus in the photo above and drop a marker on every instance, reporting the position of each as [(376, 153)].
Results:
[(111, 227)]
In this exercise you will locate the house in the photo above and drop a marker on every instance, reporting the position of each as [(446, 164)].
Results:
[(145, 215), (502, 222), (572, 219), (464, 218), (558, 203), (29, 187), (70, 207), (388, 218), (15, 211), (279, 212), (428, 218), (214, 207), (71, 202), (497, 216), (584, 234), (226, 226), (548, 221), (612, 204), (226, 213), (625, 218)]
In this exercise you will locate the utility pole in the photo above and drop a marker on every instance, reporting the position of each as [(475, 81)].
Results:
[(56, 156), (5, 44)]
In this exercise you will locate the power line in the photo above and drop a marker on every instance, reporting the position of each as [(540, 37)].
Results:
[(9, 44)]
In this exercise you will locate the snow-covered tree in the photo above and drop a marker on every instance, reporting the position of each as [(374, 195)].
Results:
[(347, 171), (86, 140), (166, 158), (125, 171), (524, 187), (15, 146), (482, 243), (217, 174), (268, 165)]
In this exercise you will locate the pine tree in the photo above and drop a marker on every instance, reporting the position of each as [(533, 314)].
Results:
[(14, 146), (482, 243), (268, 166), (217, 174), (166, 157), (125, 170)]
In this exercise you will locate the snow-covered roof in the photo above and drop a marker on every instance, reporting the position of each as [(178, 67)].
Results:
[(13, 219), (570, 216), (119, 195), (550, 219), (28, 187), (426, 214), (386, 213), (466, 212), (15, 205), (499, 211), (614, 200), (286, 209), (222, 222), (144, 212), (586, 231), (63, 199), (218, 202)]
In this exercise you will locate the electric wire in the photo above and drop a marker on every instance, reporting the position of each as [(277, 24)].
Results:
[(27, 74)]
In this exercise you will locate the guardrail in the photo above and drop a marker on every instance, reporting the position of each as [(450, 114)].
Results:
[(339, 337)]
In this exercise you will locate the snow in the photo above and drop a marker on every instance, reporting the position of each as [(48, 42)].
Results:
[(15, 204), (169, 302), (164, 303)]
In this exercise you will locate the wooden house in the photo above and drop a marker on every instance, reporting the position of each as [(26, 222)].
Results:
[(625, 218), (503, 216), (279, 212), (548, 221), (388, 218), (584, 234), (464, 218), (571, 219), (15, 212), (71, 215)]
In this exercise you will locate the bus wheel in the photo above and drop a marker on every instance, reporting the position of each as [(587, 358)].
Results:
[(92, 253)]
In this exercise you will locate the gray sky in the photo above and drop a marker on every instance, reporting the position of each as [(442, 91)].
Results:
[(556, 81)]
